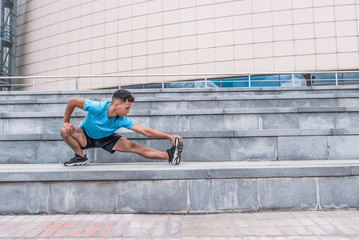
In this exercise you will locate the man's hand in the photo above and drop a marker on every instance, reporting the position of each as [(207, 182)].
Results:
[(173, 138), (69, 127)]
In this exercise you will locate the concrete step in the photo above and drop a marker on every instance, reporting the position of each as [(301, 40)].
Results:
[(202, 146), (180, 92), (195, 102), (197, 119), (187, 188)]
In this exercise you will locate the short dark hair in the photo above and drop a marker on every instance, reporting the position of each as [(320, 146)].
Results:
[(123, 95)]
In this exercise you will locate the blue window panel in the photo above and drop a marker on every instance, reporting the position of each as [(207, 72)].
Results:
[(350, 77), (188, 84), (235, 82), (153, 86), (286, 80), (265, 81), (323, 78), (216, 82), (133, 87), (202, 84)]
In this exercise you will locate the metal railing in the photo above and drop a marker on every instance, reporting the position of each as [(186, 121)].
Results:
[(180, 80)]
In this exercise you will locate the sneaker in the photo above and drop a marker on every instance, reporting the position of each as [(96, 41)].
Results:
[(77, 161), (174, 153)]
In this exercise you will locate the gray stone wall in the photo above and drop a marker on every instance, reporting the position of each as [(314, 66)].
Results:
[(180, 196)]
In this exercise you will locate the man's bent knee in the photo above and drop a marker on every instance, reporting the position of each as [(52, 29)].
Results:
[(64, 133)]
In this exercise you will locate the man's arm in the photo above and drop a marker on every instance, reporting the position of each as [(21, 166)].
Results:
[(149, 132), (71, 104)]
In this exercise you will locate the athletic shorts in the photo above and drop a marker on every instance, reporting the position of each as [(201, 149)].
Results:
[(106, 143)]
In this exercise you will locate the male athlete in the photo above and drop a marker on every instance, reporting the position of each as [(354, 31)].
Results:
[(100, 124)]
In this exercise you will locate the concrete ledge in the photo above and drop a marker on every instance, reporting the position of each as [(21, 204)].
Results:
[(206, 146), (186, 170), (171, 90), (299, 96), (204, 134), (183, 102), (193, 120), (187, 188), (191, 112), (189, 121)]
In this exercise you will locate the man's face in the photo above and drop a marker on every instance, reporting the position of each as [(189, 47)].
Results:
[(122, 108)]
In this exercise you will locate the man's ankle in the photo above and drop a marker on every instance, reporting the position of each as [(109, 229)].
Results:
[(81, 154)]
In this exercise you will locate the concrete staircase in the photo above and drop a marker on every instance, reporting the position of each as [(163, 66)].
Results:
[(244, 150)]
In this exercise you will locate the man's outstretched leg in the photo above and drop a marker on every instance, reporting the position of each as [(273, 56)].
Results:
[(75, 140), (173, 155)]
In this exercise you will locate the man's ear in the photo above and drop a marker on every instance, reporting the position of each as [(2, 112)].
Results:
[(116, 102)]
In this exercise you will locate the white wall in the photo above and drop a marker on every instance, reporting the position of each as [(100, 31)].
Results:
[(70, 37)]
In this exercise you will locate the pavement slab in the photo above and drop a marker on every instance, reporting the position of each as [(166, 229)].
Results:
[(271, 225)]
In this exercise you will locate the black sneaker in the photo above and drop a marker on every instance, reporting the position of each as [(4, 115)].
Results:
[(77, 161), (174, 153)]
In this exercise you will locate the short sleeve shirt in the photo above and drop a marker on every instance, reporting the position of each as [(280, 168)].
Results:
[(97, 124)]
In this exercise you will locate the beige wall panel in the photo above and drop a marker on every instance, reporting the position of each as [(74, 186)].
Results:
[(244, 66), (157, 36), (348, 60), (284, 48), (264, 65), (281, 64), (327, 61)]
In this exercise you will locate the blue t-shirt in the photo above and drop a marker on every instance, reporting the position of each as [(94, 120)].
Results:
[(97, 124)]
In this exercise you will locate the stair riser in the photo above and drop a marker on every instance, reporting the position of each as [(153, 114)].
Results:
[(187, 105), (179, 196), (196, 149), (200, 122), (180, 92)]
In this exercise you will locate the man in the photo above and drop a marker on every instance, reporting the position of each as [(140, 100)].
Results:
[(100, 124)]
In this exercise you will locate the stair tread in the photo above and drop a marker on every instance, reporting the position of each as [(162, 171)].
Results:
[(186, 170), (219, 111), (202, 134)]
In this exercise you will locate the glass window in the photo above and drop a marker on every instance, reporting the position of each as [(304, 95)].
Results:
[(288, 81), (349, 77), (235, 82), (265, 81), (215, 82), (154, 85), (323, 78)]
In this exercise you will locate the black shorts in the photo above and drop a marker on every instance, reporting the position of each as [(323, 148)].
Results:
[(106, 143)]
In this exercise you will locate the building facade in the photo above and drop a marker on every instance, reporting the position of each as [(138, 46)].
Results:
[(7, 42), (110, 37)]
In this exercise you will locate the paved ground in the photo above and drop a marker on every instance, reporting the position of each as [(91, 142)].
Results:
[(303, 225)]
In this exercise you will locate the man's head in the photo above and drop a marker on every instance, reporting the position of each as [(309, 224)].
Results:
[(121, 102), (123, 95)]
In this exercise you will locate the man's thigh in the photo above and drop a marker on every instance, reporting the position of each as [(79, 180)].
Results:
[(125, 145)]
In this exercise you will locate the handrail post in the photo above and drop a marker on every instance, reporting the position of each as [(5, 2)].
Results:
[(292, 79), (205, 82), (336, 79), (163, 83), (249, 80), (119, 82)]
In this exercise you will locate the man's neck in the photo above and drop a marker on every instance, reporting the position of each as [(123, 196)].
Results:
[(110, 112)]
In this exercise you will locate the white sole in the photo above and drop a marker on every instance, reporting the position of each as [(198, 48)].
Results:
[(177, 153), (77, 164)]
